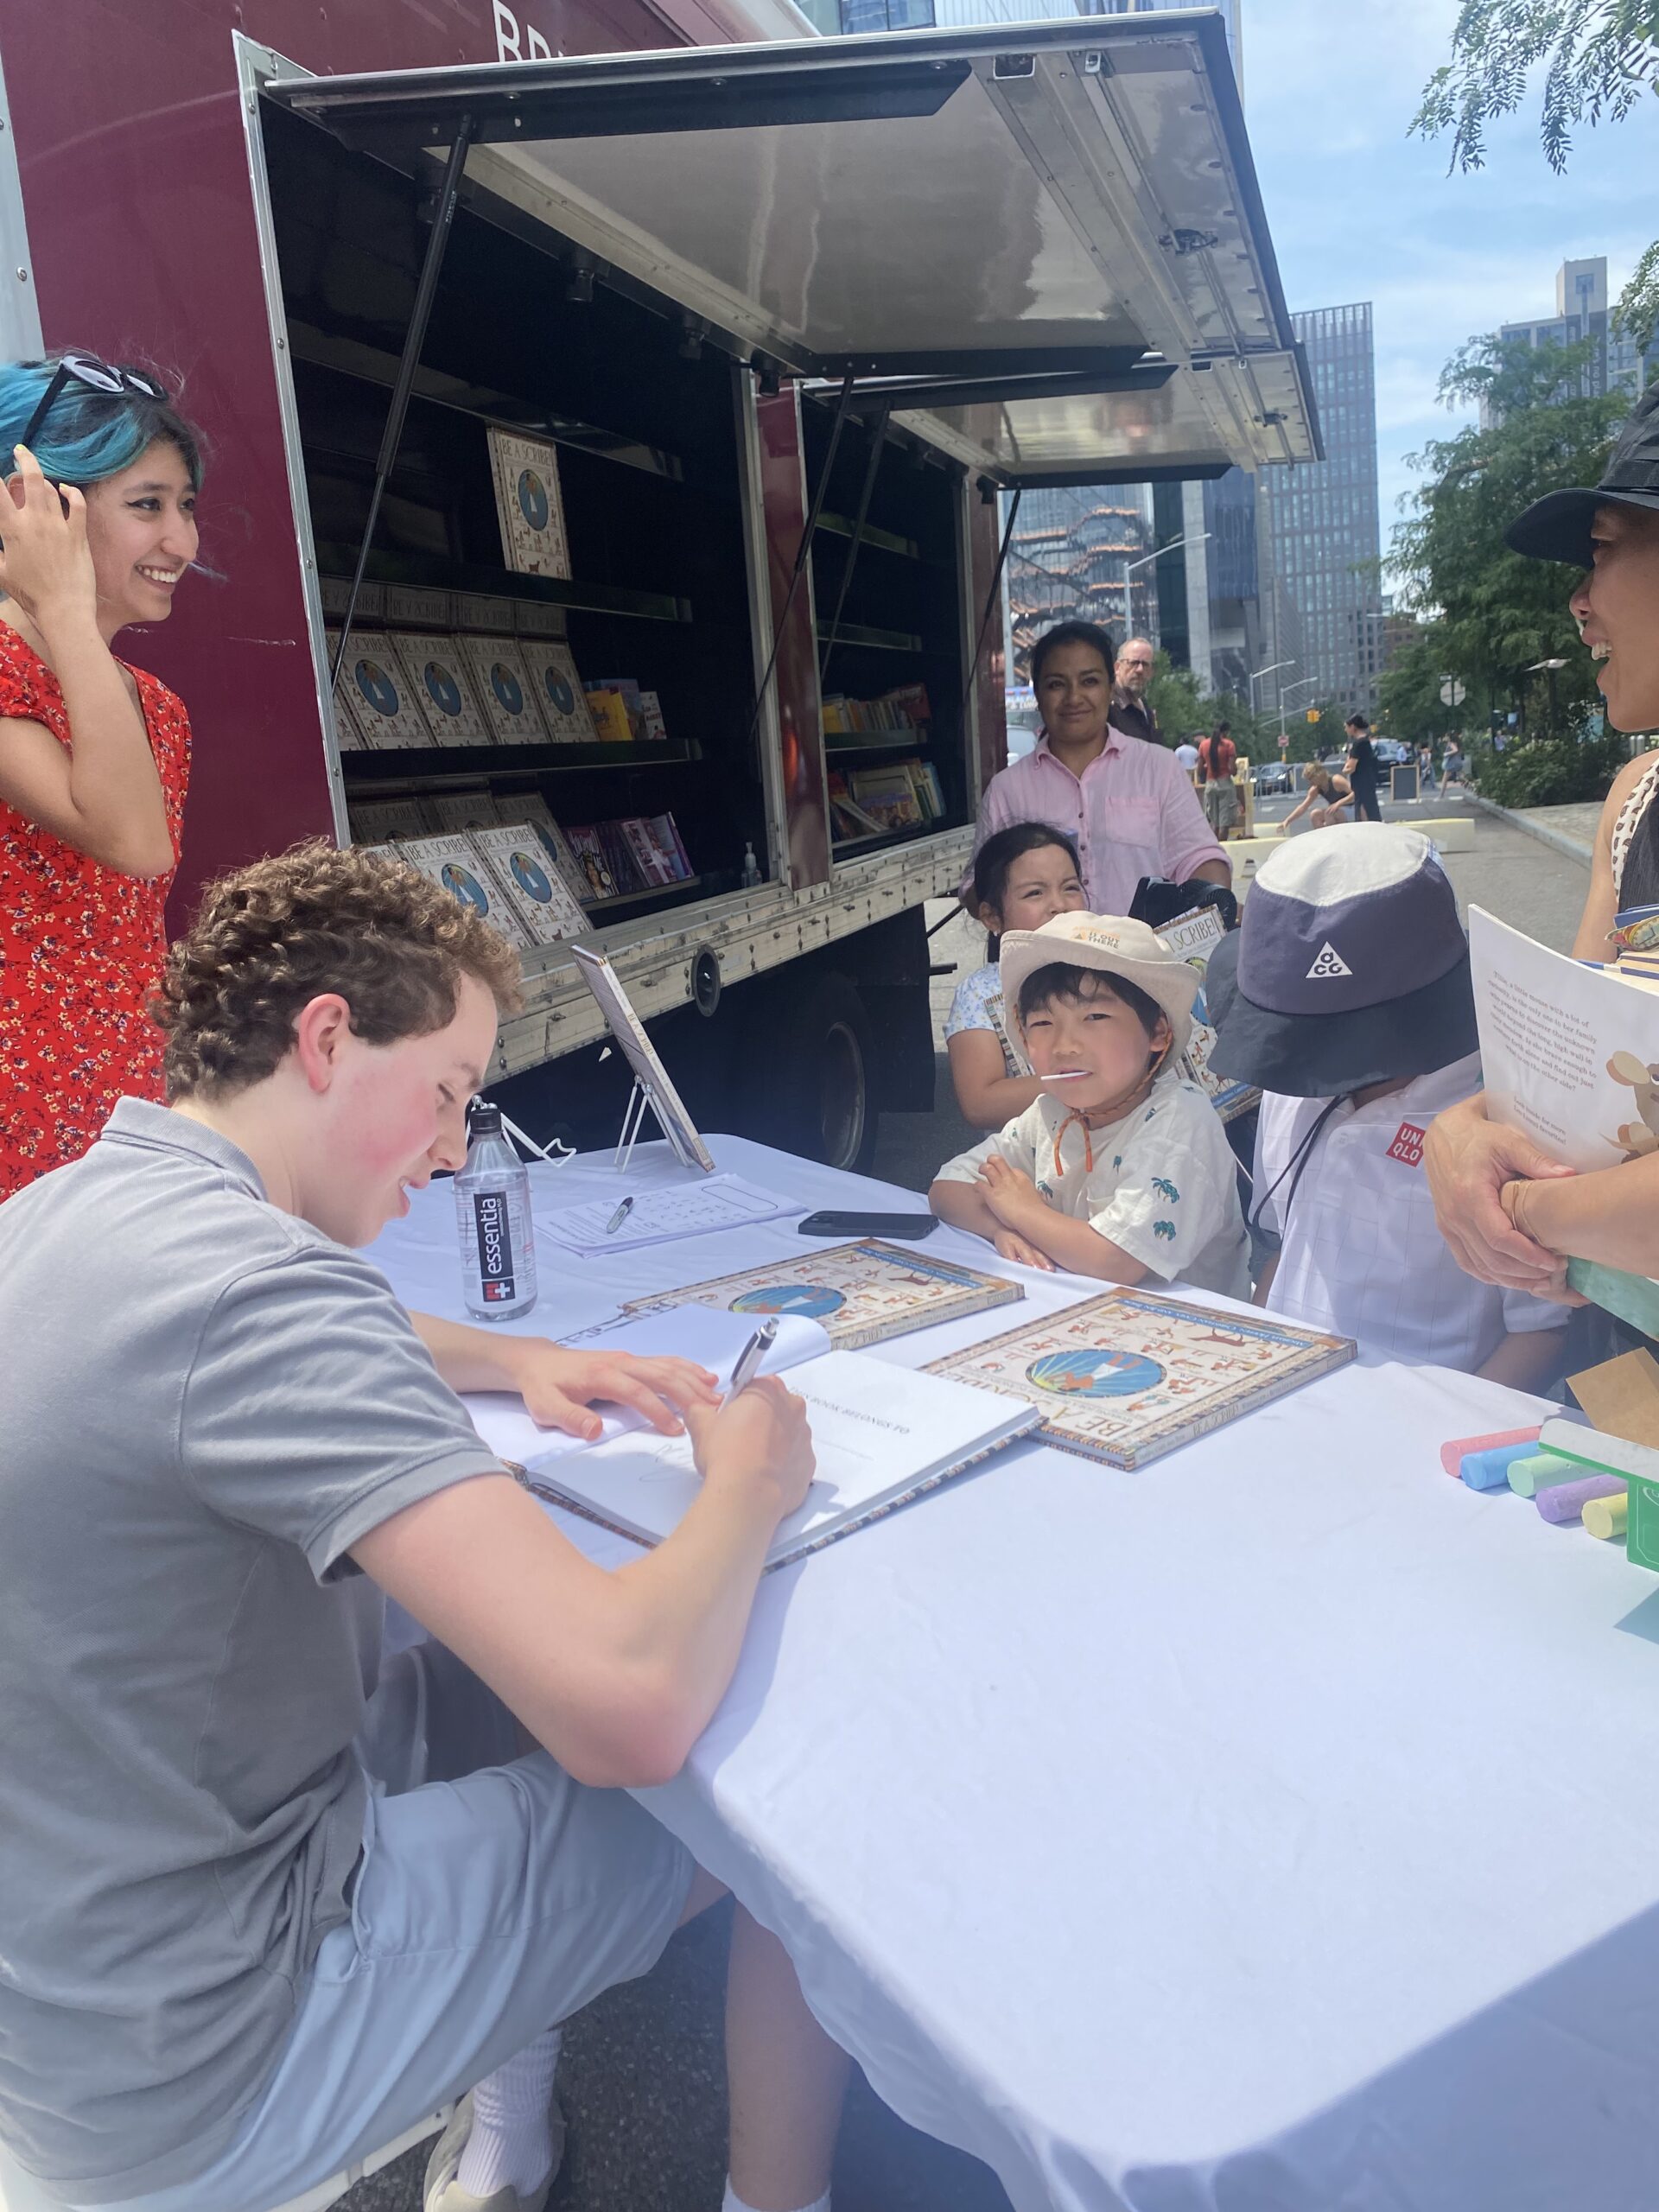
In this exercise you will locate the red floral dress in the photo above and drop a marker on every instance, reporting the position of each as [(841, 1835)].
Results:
[(81, 947)]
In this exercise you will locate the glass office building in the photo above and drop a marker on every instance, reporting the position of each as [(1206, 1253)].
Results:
[(1323, 523)]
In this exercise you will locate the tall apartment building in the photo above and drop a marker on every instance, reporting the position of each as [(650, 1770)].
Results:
[(1327, 608), (1582, 312)]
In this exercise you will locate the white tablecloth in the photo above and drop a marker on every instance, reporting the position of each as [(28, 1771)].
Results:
[(1274, 1830)]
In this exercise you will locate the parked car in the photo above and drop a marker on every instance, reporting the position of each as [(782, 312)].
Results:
[(1271, 775), (1391, 753)]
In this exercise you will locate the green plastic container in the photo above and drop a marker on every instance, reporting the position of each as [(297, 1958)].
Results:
[(1642, 1535)]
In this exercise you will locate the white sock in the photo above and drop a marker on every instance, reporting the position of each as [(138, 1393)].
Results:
[(733, 2203), (510, 2147)]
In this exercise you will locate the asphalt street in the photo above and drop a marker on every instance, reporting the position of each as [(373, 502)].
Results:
[(642, 2079)]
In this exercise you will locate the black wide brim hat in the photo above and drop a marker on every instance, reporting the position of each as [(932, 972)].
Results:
[(1327, 1055), (1557, 527)]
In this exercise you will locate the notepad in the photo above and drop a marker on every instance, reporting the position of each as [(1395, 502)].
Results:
[(883, 1436), (660, 1217)]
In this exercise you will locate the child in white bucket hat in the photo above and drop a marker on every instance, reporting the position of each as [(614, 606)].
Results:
[(1120, 1169)]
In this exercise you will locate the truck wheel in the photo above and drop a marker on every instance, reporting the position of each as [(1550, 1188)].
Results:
[(821, 1105)]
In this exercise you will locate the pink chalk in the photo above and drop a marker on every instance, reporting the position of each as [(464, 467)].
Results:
[(1452, 1454), (1566, 1500)]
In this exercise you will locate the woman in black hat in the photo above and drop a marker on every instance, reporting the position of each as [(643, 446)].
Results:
[(1511, 1214)]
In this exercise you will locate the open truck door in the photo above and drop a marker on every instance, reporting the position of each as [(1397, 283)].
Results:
[(790, 316)]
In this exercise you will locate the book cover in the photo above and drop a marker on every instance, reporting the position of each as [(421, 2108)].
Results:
[(383, 820), (471, 610), (519, 861), (1128, 1376), (528, 503), (560, 698), (653, 730), (453, 862), (386, 709), (641, 1054), (533, 808), (668, 832), (889, 795), (421, 608), (859, 1294), (435, 670), (1194, 937), (619, 855), (657, 863), (502, 683), (609, 709), (459, 811), (593, 868), (348, 732)]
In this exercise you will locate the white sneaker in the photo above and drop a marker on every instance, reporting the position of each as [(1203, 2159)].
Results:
[(442, 2192)]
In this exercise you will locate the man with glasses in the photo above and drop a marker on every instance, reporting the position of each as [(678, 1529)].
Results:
[(1132, 710)]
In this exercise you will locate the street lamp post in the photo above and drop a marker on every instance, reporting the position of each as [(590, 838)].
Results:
[(1256, 673), (1129, 567), (1285, 690)]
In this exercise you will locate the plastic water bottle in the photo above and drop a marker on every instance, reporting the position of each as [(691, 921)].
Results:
[(498, 1250), (751, 868)]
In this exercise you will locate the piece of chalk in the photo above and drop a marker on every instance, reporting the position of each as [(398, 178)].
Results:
[(1489, 1470), (1452, 1455), (1607, 1517), (1541, 1471), (1566, 1501)]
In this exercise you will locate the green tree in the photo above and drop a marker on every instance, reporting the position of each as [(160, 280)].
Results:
[(1499, 613), (1599, 58), (1409, 700)]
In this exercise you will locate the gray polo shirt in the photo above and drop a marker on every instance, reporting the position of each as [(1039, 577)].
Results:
[(204, 1402)]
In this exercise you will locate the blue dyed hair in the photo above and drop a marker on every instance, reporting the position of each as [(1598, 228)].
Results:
[(88, 435)]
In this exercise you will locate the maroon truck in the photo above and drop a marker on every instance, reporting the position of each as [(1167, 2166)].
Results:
[(791, 313)]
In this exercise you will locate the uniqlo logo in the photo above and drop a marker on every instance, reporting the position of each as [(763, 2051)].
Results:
[(1407, 1145)]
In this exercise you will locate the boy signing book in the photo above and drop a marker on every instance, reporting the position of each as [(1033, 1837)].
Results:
[(1346, 995), (1119, 1169)]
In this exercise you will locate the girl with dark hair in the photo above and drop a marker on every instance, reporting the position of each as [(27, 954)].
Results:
[(98, 528), (1127, 806), (1023, 877)]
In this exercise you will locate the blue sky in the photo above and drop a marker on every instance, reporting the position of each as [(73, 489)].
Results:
[(1359, 211)]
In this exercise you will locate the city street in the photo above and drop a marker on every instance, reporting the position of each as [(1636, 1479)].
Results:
[(642, 2077)]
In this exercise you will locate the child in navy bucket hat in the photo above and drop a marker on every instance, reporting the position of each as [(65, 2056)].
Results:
[(1346, 994)]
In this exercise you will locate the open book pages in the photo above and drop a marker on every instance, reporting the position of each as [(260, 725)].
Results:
[(882, 1436), (863, 1293), (1128, 1376)]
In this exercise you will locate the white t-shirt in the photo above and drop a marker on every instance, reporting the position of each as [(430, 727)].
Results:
[(1188, 757), (1162, 1186), (1361, 1252), (978, 1004)]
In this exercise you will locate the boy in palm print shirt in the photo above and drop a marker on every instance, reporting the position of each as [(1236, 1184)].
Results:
[(1120, 1169)]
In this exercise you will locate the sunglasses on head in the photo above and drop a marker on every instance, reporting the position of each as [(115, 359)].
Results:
[(98, 376)]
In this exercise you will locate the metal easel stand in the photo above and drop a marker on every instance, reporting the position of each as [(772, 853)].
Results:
[(639, 1097), (553, 1158)]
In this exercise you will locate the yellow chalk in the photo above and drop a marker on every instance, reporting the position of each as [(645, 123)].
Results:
[(1606, 1517)]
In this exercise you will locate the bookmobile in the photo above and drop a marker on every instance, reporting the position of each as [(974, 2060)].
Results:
[(782, 315)]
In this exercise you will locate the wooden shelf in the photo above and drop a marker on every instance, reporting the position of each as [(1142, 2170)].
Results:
[(434, 572), (350, 357), (419, 766)]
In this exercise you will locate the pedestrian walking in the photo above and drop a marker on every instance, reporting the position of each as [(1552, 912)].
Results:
[(1361, 769), (1217, 757)]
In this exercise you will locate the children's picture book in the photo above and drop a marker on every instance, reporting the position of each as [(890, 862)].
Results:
[(882, 1437), (519, 863), (502, 682), (383, 702), (593, 869), (386, 821), (418, 605), (889, 795), (435, 670), (657, 851), (641, 1055), (531, 807), (609, 709), (461, 810), (560, 698), (525, 472), (1126, 1376), (859, 1294), (1194, 937), (453, 862), (618, 857), (652, 728)]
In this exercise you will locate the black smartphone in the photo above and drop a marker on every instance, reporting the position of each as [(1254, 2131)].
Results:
[(911, 1225)]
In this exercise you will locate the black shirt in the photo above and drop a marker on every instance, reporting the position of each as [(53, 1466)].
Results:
[(1364, 770), (1134, 716)]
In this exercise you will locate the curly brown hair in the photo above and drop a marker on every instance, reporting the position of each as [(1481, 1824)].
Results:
[(271, 937)]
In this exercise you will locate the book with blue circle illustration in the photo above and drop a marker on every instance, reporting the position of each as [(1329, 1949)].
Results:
[(436, 673), (858, 1294), (525, 473), (1125, 1377)]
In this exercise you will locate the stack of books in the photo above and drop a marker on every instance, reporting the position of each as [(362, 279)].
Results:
[(885, 802), (894, 714)]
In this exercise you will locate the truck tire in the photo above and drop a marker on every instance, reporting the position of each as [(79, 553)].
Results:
[(821, 1100)]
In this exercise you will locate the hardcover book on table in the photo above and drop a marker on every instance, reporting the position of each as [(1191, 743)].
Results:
[(435, 670), (1126, 1376), (859, 1294), (503, 691), (559, 696), (455, 862), (525, 472), (520, 865)]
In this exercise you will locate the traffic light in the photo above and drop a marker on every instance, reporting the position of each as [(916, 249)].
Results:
[(1313, 713)]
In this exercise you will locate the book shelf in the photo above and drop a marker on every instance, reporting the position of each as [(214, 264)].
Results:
[(646, 441), (895, 581)]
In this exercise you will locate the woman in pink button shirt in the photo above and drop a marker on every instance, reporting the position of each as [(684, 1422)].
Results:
[(1127, 805)]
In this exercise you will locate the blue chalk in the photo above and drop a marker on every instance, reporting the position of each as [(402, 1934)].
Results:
[(1491, 1470)]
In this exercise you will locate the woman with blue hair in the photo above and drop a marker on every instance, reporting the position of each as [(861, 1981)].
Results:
[(97, 529)]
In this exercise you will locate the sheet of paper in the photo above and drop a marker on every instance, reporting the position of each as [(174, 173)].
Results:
[(713, 1339), (659, 1216)]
